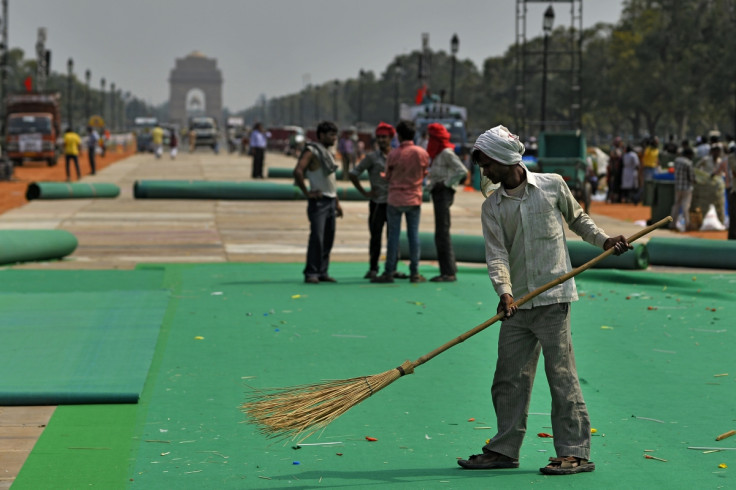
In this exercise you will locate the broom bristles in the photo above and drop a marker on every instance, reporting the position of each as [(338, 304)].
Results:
[(300, 411)]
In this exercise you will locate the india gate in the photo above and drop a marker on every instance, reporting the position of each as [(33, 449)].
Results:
[(195, 89)]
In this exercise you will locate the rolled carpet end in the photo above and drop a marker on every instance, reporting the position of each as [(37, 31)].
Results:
[(35, 245), (69, 190), (692, 252)]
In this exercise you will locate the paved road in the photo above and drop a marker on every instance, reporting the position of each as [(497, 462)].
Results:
[(118, 233)]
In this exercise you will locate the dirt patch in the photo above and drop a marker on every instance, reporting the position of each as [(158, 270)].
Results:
[(13, 193)]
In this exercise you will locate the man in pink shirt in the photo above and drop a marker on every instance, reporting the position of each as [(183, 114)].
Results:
[(406, 167)]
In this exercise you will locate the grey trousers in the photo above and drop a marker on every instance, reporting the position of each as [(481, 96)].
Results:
[(543, 329)]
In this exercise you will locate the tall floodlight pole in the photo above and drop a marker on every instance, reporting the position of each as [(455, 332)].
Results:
[(70, 71), (41, 59), (398, 71), (424, 61), (454, 46), (547, 23)]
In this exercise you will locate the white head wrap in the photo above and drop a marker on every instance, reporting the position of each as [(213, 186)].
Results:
[(498, 143)]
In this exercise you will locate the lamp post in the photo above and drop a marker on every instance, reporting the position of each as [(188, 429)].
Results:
[(87, 78), (112, 106), (334, 101), (102, 94), (361, 74), (69, 69), (454, 46), (549, 19), (316, 104), (398, 71)]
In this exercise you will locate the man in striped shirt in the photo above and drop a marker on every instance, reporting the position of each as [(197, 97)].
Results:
[(526, 249)]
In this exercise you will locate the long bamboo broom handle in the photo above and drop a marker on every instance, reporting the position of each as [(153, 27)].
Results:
[(534, 294)]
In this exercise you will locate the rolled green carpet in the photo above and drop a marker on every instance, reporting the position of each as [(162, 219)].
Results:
[(582, 252), (249, 190), (68, 190), (201, 189), (471, 248), (288, 173), (692, 252), (35, 245)]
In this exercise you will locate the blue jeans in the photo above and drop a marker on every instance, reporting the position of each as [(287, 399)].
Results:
[(393, 216)]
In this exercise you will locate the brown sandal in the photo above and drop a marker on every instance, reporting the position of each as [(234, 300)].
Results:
[(567, 466)]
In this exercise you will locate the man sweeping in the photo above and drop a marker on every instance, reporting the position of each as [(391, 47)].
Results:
[(526, 249)]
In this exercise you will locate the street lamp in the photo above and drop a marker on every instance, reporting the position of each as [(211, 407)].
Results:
[(102, 94), (547, 22), (87, 77), (361, 74), (69, 69), (454, 46), (398, 71), (316, 103), (334, 101), (112, 106)]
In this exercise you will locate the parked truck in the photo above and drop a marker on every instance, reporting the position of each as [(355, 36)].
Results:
[(142, 127), (33, 127), (453, 117), (205, 131)]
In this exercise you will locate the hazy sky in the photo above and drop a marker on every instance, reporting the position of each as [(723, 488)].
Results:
[(268, 46)]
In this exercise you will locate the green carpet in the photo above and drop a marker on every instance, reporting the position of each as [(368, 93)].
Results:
[(648, 346), (66, 346)]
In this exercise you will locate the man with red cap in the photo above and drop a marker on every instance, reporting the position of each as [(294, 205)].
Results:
[(446, 170), (406, 167), (375, 164)]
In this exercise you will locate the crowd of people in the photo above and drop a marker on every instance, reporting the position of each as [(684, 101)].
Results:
[(710, 161), (398, 179)]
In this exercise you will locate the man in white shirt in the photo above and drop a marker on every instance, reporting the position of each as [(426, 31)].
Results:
[(258, 142), (526, 249)]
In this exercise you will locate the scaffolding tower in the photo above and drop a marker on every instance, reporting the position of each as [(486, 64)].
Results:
[(526, 125)]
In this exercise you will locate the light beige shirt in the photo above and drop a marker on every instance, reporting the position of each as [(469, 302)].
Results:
[(447, 168), (525, 238)]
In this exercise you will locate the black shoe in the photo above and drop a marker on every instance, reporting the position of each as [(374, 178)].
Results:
[(370, 275), (327, 279), (442, 278), (417, 278), (383, 278), (311, 280), (489, 460)]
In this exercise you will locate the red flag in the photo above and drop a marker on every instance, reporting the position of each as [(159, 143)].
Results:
[(419, 97), (28, 82)]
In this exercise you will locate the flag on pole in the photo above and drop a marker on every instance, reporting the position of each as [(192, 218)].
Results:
[(419, 97)]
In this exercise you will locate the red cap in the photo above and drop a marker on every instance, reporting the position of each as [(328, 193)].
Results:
[(385, 128), (437, 130)]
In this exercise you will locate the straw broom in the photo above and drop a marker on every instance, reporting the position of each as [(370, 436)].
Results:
[(300, 411)]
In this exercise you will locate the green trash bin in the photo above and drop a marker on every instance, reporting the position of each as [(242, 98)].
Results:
[(663, 197), (648, 197)]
